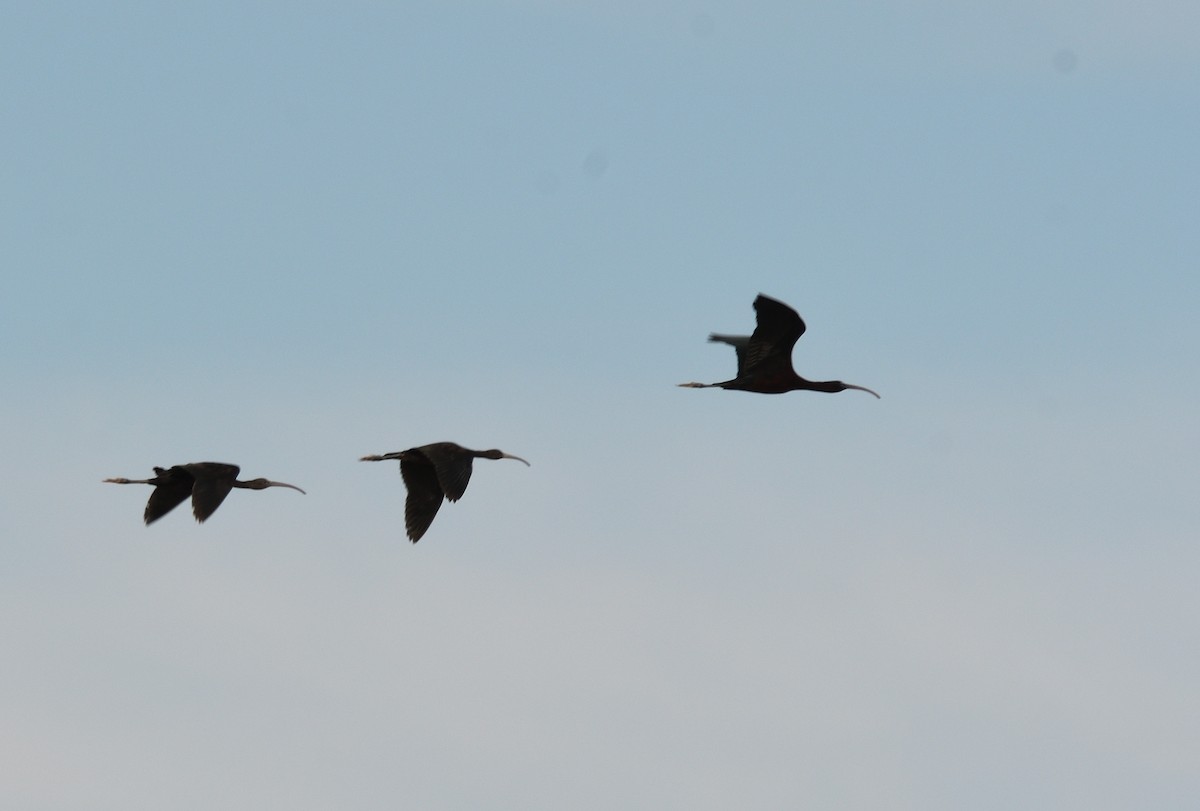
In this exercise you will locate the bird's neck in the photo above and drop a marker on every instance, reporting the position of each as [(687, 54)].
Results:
[(827, 386)]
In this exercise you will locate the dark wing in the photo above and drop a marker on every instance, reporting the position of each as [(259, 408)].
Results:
[(738, 342), (779, 327), (424, 497), (214, 480), (453, 466), (171, 488)]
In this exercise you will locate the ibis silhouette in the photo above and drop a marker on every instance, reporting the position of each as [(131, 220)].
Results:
[(764, 358), (206, 482), (431, 473)]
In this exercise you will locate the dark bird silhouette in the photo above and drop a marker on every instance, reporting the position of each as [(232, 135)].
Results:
[(431, 473), (765, 358), (206, 482)]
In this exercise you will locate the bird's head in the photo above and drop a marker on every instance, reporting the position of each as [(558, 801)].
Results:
[(498, 454), (263, 484)]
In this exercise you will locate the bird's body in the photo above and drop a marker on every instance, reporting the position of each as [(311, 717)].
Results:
[(431, 473), (208, 483), (765, 357)]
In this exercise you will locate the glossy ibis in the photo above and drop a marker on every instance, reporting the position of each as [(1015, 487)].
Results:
[(765, 358), (206, 482), (431, 473)]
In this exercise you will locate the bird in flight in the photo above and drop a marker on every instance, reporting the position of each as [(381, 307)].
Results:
[(431, 473), (206, 482), (764, 358)]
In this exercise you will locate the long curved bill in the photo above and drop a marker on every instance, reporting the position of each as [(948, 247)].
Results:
[(284, 484), (863, 388), (511, 456)]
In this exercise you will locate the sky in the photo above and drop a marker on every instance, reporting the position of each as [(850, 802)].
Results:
[(289, 235)]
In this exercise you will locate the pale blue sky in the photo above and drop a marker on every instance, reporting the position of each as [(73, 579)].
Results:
[(287, 236)]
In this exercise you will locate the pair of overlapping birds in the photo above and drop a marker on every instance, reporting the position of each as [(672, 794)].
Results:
[(439, 471)]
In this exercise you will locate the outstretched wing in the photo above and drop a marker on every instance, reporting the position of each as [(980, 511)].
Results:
[(778, 329), (424, 497), (171, 488), (214, 480)]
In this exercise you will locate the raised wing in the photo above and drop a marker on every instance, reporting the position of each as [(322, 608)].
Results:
[(738, 342), (779, 327)]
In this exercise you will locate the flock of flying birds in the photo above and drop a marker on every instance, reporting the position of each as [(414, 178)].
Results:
[(433, 473)]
